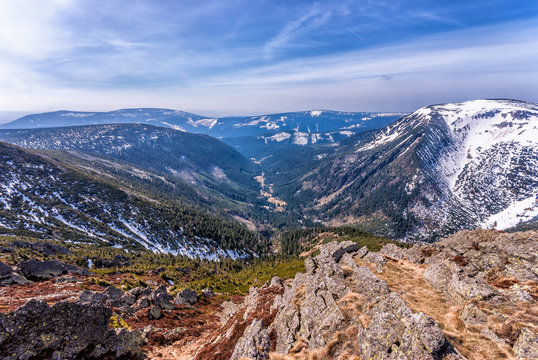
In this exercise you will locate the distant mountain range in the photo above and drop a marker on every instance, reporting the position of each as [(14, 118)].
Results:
[(317, 121), (416, 177)]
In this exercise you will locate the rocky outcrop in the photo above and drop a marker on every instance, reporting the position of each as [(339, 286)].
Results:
[(161, 298), (484, 269), (336, 295), (395, 332), (65, 330), (44, 270)]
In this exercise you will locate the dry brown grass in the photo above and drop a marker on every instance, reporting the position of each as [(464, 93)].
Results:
[(298, 297), (352, 307), (342, 345), (405, 278)]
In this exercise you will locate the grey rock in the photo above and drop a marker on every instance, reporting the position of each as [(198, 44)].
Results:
[(44, 270), (396, 332), (487, 332), (368, 285), (92, 298), (310, 265), (275, 281), (526, 345), (472, 315), (161, 298), (186, 297), (138, 291), (362, 252), (8, 277), (114, 295), (65, 279), (142, 302), (377, 259), (65, 330), (462, 289), (344, 247), (128, 299), (155, 312), (393, 251), (254, 344), (438, 276)]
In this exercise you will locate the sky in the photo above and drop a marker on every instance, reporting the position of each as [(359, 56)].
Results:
[(224, 57)]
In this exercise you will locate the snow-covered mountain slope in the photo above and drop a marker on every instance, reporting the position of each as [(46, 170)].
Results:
[(318, 121), (157, 117), (41, 197), (490, 164), (197, 159), (438, 170)]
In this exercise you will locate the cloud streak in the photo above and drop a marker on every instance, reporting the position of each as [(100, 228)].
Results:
[(242, 57)]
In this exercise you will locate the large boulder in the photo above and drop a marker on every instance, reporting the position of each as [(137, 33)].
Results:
[(44, 270), (186, 297), (65, 330), (395, 332), (161, 298)]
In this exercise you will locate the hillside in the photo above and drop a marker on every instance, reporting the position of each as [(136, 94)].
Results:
[(45, 198), (199, 160), (469, 296), (438, 170)]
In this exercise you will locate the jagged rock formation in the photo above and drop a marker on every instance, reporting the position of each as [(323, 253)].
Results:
[(336, 310), (65, 330), (482, 286)]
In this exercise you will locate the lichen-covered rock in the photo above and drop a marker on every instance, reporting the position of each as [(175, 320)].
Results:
[(462, 289), (438, 275), (393, 251), (395, 332), (472, 315), (377, 259), (155, 312), (66, 330), (526, 346), (186, 297), (161, 298), (254, 344)]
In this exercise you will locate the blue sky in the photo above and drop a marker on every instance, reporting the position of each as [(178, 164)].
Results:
[(249, 56)]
